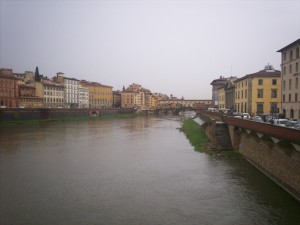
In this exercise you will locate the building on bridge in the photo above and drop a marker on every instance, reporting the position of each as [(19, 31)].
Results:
[(290, 62), (180, 103)]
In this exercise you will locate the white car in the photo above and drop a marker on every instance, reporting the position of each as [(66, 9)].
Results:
[(257, 119), (246, 116), (280, 122)]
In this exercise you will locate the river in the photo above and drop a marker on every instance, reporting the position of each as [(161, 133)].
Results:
[(130, 171)]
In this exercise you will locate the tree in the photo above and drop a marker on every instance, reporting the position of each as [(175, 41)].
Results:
[(37, 75)]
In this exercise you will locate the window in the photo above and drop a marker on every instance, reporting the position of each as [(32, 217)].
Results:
[(296, 69), (283, 85), (274, 108), (291, 55), (284, 70), (297, 52), (260, 107), (260, 93), (296, 97), (290, 68), (260, 82), (284, 56), (274, 93), (246, 93), (290, 98), (283, 97), (296, 83), (290, 84), (274, 82)]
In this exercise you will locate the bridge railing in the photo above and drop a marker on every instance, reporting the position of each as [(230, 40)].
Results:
[(280, 132)]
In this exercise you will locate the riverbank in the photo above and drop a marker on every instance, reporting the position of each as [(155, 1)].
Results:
[(195, 133), (68, 118)]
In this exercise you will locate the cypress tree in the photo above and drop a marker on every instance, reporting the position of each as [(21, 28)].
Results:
[(37, 75)]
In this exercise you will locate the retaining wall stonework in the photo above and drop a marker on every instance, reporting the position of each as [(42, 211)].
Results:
[(281, 163), (16, 114)]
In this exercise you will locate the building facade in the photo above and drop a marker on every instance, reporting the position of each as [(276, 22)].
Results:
[(9, 91), (53, 94), (83, 97), (135, 96), (221, 98), (132, 99), (100, 96), (28, 98), (216, 84), (116, 99), (259, 93), (290, 75), (230, 93), (195, 104), (71, 90)]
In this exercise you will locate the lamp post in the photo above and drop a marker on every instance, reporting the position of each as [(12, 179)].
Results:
[(272, 112)]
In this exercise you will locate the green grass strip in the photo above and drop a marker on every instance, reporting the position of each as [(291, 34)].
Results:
[(195, 133)]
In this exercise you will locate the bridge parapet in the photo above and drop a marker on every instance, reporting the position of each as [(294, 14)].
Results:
[(283, 133)]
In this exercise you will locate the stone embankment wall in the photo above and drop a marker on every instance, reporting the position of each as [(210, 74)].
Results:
[(218, 135), (269, 148), (281, 162), (15, 114)]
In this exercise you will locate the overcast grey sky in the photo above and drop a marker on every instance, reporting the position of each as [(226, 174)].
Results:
[(173, 47)]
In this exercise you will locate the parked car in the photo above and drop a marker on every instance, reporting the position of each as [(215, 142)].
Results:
[(280, 122), (238, 117), (291, 123), (297, 126), (246, 116), (257, 119)]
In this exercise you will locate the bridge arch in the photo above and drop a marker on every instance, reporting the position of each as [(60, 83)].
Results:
[(94, 113)]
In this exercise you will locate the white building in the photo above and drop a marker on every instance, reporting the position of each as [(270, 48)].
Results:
[(71, 90), (53, 94), (290, 75), (83, 93)]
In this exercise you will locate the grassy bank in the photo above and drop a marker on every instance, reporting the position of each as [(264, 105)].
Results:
[(197, 137), (195, 134)]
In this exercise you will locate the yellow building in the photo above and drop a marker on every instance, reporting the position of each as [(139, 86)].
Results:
[(221, 98), (152, 101), (259, 93), (135, 97), (132, 99), (100, 96)]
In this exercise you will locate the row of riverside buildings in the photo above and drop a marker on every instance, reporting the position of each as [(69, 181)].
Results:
[(32, 90), (267, 91)]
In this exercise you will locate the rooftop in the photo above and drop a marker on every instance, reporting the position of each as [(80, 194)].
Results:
[(289, 46)]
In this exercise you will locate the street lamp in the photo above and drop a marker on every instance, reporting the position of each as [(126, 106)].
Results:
[(272, 112)]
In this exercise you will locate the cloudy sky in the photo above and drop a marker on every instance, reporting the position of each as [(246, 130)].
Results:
[(170, 46)]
